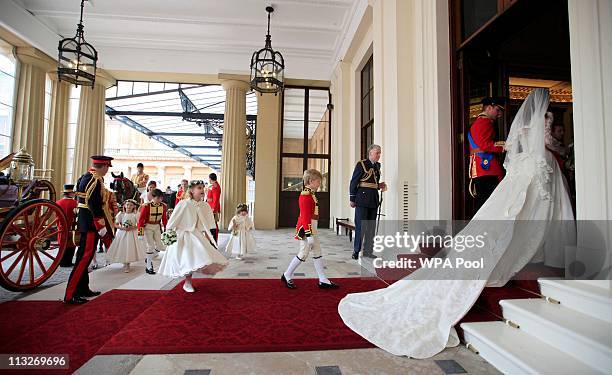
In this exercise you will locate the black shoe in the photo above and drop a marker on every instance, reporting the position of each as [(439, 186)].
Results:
[(355, 256), (331, 285), (67, 265), (76, 300), (90, 293), (372, 256), (150, 271), (288, 283)]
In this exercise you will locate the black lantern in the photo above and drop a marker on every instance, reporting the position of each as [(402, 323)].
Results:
[(267, 66), (77, 58)]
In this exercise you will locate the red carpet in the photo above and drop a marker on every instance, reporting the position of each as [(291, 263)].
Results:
[(19, 317), (256, 315), (78, 331)]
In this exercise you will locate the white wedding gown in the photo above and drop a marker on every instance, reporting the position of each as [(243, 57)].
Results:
[(415, 316)]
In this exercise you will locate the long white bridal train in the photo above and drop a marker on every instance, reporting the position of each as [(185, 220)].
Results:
[(415, 316)]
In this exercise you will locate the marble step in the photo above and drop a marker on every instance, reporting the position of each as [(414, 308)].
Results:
[(513, 351), (575, 333), (580, 296)]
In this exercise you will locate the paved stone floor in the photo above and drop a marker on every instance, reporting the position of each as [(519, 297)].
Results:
[(275, 250)]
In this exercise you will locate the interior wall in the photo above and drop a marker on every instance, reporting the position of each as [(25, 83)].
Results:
[(409, 43)]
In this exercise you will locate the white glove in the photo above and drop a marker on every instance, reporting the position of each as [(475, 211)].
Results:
[(102, 232), (310, 241)]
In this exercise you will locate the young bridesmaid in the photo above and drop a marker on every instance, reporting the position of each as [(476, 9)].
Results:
[(194, 249), (126, 248), (241, 227)]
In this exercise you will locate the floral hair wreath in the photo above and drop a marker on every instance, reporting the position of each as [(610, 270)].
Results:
[(242, 207), (130, 201), (193, 183)]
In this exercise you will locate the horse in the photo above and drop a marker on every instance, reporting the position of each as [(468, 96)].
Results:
[(124, 189)]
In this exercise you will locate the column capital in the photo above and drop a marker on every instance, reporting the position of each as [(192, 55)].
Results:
[(235, 84), (33, 56), (104, 78)]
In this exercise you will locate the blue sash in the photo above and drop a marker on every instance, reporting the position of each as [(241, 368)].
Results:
[(485, 157)]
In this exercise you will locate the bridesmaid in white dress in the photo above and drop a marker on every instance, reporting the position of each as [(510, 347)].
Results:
[(195, 248), (241, 227), (126, 248)]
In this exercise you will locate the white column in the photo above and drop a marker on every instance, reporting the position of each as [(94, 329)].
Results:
[(187, 172), (342, 159), (267, 155), (161, 177), (590, 24), (412, 106), (233, 161)]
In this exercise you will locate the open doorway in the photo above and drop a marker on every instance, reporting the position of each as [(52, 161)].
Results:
[(506, 49)]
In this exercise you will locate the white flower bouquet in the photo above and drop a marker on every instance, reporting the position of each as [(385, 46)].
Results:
[(127, 223), (168, 237)]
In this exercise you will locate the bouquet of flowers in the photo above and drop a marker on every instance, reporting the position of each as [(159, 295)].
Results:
[(127, 223), (168, 237)]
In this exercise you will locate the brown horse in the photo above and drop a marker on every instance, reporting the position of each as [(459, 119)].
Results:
[(124, 189)]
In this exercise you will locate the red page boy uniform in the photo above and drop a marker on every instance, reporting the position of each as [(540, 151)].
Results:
[(153, 218), (306, 233)]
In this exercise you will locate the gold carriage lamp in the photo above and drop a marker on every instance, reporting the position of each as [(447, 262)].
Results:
[(22, 170)]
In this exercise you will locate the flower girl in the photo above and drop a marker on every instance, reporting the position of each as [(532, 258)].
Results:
[(192, 245), (241, 226), (126, 247)]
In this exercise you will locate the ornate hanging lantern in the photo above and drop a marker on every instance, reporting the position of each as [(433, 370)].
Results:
[(267, 66), (77, 58)]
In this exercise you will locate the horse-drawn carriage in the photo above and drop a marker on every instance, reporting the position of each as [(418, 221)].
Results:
[(33, 228)]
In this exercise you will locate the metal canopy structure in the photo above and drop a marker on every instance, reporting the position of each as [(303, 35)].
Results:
[(187, 118)]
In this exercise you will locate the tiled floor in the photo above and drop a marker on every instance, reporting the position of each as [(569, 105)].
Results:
[(275, 250)]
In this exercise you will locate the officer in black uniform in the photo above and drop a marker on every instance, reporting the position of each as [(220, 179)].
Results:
[(91, 225), (363, 195)]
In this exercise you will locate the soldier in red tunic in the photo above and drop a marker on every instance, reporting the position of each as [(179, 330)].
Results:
[(92, 223), (181, 191), (214, 200), (152, 220), (69, 206), (306, 232), (485, 169)]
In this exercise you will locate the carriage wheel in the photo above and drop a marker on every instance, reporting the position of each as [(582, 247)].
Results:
[(41, 186), (33, 238)]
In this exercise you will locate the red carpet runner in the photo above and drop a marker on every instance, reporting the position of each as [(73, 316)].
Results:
[(243, 316), (48, 327), (224, 315)]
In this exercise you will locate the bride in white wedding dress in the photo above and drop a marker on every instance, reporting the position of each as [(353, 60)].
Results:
[(415, 316)]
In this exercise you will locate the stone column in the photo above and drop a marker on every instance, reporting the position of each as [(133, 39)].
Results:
[(161, 177), (58, 132), (411, 102), (28, 130), (233, 160), (90, 124), (589, 23), (187, 172), (267, 154)]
